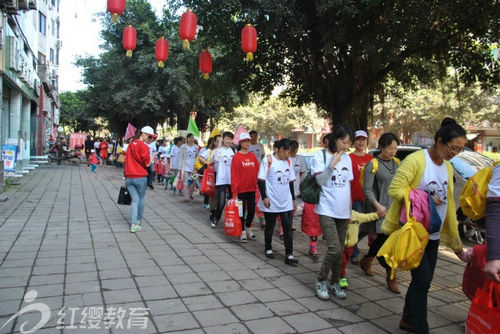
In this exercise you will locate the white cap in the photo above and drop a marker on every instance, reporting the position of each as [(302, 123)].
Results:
[(147, 129), (360, 133), (92, 151), (244, 136)]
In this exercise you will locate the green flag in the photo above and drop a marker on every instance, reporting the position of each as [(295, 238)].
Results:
[(193, 128)]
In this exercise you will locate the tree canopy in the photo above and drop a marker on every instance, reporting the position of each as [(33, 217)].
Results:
[(75, 114), (338, 54)]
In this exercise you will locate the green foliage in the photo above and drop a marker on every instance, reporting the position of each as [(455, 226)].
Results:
[(338, 54), (74, 112), (272, 117)]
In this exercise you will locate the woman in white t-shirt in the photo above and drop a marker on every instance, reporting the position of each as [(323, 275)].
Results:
[(428, 170), (222, 156), (187, 158), (275, 181), (174, 160), (332, 169)]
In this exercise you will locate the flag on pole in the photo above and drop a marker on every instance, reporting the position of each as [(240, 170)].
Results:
[(131, 130), (214, 132), (239, 130), (193, 128)]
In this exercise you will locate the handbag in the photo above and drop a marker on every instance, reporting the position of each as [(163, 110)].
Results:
[(208, 182), (484, 312), (309, 188), (232, 222), (124, 197), (474, 276)]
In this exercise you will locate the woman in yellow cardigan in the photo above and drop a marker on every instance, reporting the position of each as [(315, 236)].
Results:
[(431, 171)]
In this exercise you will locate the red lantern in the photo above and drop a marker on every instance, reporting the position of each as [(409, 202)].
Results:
[(249, 41), (161, 51), (187, 27), (129, 40), (205, 64), (116, 8)]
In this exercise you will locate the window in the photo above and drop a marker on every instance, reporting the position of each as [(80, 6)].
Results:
[(42, 23), (57, 57), (52, 27), (52, 56), (57, 29), (41, 58)]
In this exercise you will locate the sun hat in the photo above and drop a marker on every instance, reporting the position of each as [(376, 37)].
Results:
[(148, 130), (360, 133), (244, 136)]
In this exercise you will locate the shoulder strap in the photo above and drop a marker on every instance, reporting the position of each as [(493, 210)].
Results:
[(324, 156)]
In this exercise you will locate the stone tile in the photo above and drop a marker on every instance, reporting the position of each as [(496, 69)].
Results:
[(81, 287), (369, 310), (242, 274), (157, 292), (273, 325), (270, 295), (315, 304), (375, 293), (214, 276), (236, 298), (192, 289), (339, 317), (144, 281), (256, 284), (166, 306), (118, 284), (121, 296), (391, 324), (251, 311), (362, 327), (214, 317), (224, 286), (81, 277), (180, 321), (227, 329), (11, 294), (306, 322), (201, 303), (184, 278), (286, 307)]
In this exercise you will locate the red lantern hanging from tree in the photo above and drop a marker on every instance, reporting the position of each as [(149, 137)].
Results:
[(187, 27), (129, 40), (116, 8), (205, 64), (249, 41), (161, 51)]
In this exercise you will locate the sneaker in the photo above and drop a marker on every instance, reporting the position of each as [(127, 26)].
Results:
[(269, 254), (243, 237), (213, 223), (250, 235), (150, 186), (321, 290), (355, 260), (337, 290), (314, 256), (206, 206), (291, 260), (343, 283), (134, 228)]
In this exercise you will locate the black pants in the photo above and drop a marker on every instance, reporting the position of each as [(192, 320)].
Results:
[(221, 192), (286, 223), (375, 247), (248, 200), (151, 174)]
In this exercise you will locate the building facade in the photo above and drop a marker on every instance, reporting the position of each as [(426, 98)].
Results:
[(29, 113)]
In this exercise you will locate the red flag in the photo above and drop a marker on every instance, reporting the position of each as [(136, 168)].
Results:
[(131, 130)]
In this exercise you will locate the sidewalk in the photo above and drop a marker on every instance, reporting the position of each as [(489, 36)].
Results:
[(63, 235)]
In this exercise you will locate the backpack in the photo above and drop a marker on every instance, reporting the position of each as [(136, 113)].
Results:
[(472, 199), (374, 162), (405, 247), (309, 188)]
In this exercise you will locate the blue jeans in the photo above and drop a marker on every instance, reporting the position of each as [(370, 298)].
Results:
[(93, 167), (415, 309), (137, 189)]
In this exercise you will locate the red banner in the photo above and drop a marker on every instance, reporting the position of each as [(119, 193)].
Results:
[(77, 139)]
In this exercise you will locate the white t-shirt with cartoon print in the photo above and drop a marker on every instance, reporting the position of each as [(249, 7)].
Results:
[(299, 166), (258, 150), (435, 183), (174, 157), (191, 153), (335, 196), (278, 178), (223, 157)]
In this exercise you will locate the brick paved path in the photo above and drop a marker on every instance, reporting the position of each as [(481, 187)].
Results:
[(62, 234)]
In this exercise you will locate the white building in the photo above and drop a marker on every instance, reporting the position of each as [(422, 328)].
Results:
[(29, 61)]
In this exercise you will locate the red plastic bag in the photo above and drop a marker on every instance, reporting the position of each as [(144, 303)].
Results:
[(208, 182), (180, 183), (232, 222), (484, 312), (474, 277)]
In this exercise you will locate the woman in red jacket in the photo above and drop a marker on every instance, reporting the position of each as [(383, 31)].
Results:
[(244, 170), (137, 161), (103, 151)]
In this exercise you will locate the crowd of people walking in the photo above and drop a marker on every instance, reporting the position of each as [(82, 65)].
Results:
[(360, 196)]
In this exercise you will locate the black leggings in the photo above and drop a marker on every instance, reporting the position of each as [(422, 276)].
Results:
[(221, 192), (375, 247), (286, 223), (248, 200)]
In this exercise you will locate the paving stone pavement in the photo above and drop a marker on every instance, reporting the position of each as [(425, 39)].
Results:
[(63, 235)]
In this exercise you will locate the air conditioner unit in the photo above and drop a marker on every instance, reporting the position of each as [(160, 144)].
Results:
[(23, 4), (11, 6), (13, 53), (32, 4), (59, 44)]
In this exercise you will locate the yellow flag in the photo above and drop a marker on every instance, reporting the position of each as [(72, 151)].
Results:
[(215, 132)]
